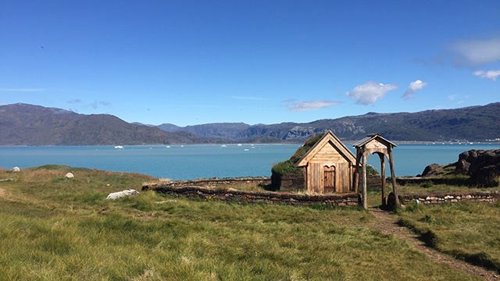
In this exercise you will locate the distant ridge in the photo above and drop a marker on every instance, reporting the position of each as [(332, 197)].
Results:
[(475, 123), (25, 124)]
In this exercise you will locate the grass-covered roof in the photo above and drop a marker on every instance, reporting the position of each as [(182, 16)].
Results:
[(306, 147), (289, 165)]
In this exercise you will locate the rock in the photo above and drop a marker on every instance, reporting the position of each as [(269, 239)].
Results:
[(462, 167), (487, 176), (391, 202), (433, 170), (16, 169), (484, 166), (69, 176), (121, 194)]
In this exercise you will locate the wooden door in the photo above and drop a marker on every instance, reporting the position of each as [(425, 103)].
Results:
[(329, 179)]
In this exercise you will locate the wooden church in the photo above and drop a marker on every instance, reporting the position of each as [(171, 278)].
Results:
[(328, 166), (325, 165)]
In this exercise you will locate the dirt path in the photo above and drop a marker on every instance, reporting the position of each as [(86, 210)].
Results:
[(386, 224), (3, 192)]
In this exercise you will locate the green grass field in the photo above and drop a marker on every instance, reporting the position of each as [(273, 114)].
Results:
[(53, 228), (468, 231)]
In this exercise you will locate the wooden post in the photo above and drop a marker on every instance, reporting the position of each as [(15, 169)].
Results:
[(365, 193), (393, 177), (382, 177), (356, 170)]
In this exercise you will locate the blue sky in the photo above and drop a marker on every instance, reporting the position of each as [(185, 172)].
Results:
[(192, 62)]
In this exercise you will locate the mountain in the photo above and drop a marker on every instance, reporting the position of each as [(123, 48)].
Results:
[(476, 123), (24, 124), (220, 131), (167, 127)]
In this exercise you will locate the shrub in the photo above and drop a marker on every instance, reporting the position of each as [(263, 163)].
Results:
[(371, 171), (427, 184)]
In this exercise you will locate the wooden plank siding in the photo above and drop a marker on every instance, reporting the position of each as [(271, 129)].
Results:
[(315, 176), (329, 153)]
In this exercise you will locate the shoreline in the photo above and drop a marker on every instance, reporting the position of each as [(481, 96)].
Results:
[(251, 144)]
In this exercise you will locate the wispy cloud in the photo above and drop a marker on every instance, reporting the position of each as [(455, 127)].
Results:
[(478, 51), (249, 98), (370, 92), (75, 101), (94, 105), (22, 90), (488, 74), (414, 86), (457, 100), (97, 104), (297, 106)]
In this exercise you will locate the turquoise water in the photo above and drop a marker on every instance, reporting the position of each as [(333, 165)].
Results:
[(205, 161)]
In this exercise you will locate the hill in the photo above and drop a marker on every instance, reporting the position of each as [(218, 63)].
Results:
[(24, 124), (222, 131), (476, 123)]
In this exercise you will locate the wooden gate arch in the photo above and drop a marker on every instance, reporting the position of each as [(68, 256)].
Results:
[(375, 144)]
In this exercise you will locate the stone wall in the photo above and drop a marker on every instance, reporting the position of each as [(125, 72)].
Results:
[(450, 197), (457, 181), (373, 182), (217, 182), (220, 189), (348, 199), (288, 182)]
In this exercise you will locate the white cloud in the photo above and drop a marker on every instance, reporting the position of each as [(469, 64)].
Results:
[(309, 105), (478, 51), (22, 90), (370, 92), (414, 86), (488, 74)]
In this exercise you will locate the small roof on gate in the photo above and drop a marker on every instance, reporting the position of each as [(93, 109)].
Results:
[(377, 137)]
